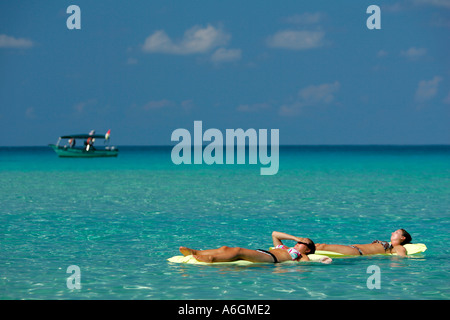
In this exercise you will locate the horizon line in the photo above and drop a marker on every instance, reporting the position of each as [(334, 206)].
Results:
[(280, 145)]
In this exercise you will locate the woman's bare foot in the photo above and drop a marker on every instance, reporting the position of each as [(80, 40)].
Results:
[(186, 251), (208, 259)]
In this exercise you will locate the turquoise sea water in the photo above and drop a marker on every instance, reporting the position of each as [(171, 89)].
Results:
[(119, 219)]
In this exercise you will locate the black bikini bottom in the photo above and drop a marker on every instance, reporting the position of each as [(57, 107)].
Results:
[(360, 252), (269, 253)]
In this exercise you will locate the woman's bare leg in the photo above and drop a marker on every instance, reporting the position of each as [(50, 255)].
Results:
[(232, 254), (187, 251)]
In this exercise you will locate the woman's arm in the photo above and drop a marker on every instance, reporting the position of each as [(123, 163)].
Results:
[(400, 250), (278, 236), (304, 257)]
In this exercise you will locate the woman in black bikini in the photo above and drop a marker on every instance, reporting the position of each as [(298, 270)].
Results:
[(399, 238), (280, 253)]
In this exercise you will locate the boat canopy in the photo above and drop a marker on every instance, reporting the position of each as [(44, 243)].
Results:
[(83, 136)]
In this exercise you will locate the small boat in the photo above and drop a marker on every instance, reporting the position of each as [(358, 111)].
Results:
[(84, 149)]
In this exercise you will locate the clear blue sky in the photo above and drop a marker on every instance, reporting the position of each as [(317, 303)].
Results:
[(311, 69)]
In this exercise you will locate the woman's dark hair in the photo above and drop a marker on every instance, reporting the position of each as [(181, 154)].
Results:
[(407, 236), (311, 246)]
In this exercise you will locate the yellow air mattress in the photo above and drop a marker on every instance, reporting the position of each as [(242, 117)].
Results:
[(191, 260), (411, 248)]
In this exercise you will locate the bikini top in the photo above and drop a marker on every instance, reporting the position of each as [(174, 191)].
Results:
[(294, 253), (386, 245)]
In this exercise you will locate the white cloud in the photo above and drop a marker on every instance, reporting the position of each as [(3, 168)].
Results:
[(195, 40), (256, 107), (291, 109), (311, 96), (382, 53), (187, 105), (30, 113), (11, 42), (323, 93), (426, 90), (81, 106), (305, 18), (226, 55), (164, 104), (296, 40), (435, 3), (414, 53), (407, 4), (394, 7), (132, 61), (447, 99), (160, 104)]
